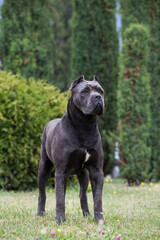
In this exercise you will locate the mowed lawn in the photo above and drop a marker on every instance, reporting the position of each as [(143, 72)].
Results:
[(130, 213)]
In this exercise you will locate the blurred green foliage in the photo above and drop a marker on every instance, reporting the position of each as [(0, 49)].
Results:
[(61, 15), (25, 107), (148, 13), (26, 42), (134, 104), (55, 39), (95, 52)]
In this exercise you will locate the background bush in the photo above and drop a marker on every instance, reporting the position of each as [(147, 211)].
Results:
[(134, 104), (25, 108)]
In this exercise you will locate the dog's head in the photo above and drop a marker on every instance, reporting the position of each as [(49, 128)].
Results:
[(88, 96)]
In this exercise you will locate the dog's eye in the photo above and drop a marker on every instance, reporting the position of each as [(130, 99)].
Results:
[(86, 90), (99, 90)]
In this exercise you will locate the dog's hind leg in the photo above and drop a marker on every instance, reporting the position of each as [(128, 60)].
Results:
[(44, 169), (83, 178)]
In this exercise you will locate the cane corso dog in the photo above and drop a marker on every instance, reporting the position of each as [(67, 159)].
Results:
[(73, 145)]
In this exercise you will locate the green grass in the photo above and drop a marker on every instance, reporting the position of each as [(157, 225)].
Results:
[(135, 207)]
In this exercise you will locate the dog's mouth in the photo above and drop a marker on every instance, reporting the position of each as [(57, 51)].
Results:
[(98, 109)]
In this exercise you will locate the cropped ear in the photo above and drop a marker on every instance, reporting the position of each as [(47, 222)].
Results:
[(95, 78), (76, 81)]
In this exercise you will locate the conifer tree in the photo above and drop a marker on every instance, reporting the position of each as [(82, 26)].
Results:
[(26, 44), (148, 13), (61, 14), (94, 52), (134, 104)]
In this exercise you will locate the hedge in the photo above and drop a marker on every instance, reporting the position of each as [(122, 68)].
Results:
[(25, 107)]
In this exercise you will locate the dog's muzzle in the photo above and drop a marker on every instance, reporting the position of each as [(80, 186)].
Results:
[(98, 110)]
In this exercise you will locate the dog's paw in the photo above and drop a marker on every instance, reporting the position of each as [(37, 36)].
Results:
[(40, 213), (60, 219), (86, 213), (101, 222)]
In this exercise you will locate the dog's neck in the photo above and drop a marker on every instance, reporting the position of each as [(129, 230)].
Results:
[(79, 120)]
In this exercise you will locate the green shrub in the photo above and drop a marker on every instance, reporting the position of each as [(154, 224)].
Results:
[(133, 104), (25, 107)]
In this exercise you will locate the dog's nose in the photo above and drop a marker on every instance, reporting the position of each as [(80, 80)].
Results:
[(97, 97)]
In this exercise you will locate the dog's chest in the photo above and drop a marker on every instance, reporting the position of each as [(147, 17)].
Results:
[(87, 156), (81, 158)]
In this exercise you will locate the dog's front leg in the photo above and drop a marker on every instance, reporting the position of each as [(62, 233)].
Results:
[(97, 179), (83, 180), (60, 188)]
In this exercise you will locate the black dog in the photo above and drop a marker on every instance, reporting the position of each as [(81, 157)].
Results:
[(73, 145)]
